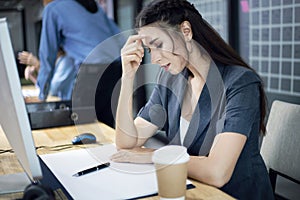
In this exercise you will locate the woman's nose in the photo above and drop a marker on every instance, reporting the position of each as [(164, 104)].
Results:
[(155, 56)]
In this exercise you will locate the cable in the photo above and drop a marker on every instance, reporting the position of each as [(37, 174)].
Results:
[(51, 148), (6, 151)]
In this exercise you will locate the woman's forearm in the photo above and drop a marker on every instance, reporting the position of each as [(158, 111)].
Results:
[(132, 55), (203, 169), (217, 168), (126, 133)]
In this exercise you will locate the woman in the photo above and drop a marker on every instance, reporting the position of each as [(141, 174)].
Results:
[(207, 99)]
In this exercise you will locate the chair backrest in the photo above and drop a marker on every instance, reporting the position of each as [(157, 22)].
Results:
[(281, 145)]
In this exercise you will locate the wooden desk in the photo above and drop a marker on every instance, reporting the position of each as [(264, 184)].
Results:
[(63, 135)]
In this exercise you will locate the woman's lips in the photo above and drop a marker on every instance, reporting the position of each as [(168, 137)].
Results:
[(166, 66)]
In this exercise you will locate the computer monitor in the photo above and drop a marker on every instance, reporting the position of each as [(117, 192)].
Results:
[(14, 119)]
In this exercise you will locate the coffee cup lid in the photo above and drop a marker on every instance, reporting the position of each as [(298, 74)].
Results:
[(170, 154)]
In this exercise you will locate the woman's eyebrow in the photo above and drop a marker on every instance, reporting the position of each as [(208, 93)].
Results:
[(152, 41)]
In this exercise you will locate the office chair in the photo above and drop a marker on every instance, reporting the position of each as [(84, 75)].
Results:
[(280, 148)]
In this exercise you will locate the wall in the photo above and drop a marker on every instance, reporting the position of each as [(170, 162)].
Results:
[(23, 17), (273, 45)]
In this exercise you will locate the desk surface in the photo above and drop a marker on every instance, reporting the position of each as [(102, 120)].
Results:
[(49, 141)]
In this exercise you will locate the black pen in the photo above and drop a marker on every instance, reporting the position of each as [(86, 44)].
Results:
[(92, 169)]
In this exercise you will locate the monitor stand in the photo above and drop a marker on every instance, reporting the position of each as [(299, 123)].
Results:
[(11, 183)]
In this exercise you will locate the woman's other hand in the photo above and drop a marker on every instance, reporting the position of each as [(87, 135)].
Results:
[(132, 54), (136, 155)]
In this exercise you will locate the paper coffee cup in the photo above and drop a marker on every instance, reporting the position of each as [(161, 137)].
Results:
[(171, 171)]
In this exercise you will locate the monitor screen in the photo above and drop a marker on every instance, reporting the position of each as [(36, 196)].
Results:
[(13, 115)]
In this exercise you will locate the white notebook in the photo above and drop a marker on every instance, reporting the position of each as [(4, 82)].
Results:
[(118, 181)]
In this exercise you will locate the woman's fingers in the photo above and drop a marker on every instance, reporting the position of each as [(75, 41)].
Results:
[(133, 48), (132, 54), (134, 38), (134, 60), (120, 156), (132, 156)]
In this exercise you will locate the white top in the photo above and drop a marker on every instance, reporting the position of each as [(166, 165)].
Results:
[(184, 125)]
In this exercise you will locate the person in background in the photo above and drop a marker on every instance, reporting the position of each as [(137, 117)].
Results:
[(64, 73), (206, 99), (77, 31)]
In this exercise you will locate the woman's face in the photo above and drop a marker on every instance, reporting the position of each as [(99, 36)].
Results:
[(167, 48)]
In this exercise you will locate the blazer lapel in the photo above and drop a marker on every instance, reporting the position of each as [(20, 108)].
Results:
[(178, 87), (200, 119), (201, 132)]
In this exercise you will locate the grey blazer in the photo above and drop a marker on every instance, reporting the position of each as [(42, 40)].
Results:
[(229, 102)]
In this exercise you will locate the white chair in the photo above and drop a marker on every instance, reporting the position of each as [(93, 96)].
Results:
[(281, 149)]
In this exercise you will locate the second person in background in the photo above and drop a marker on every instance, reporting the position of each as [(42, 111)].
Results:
[(78, 26), (77, 31)]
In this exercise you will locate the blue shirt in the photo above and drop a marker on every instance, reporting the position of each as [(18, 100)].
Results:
[(229, 102), (63, 79), (68, 24)]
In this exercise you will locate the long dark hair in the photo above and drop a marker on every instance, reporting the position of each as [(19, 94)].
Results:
[(174, 12)]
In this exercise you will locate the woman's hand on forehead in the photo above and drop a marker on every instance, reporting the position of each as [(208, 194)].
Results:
[(144, 39), (132, 55), (135, 38)]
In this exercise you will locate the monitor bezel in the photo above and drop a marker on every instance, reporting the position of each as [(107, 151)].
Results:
[(15, 122)]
